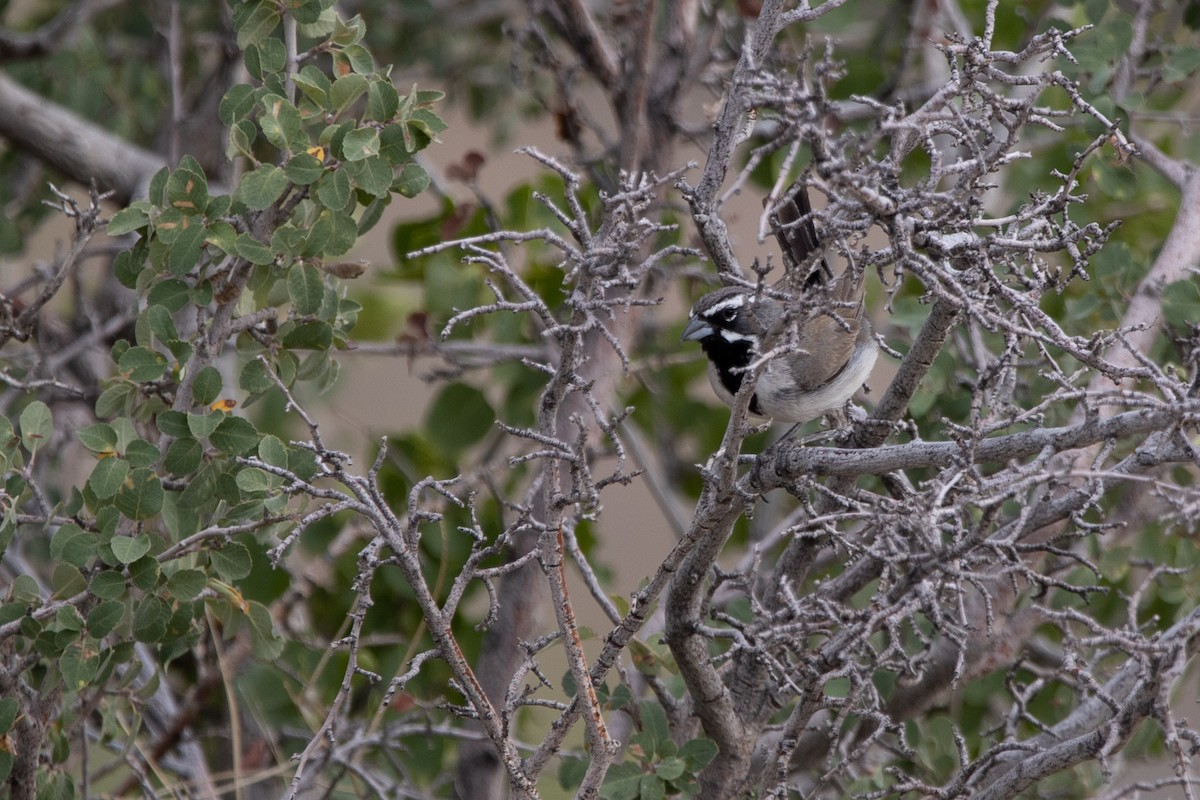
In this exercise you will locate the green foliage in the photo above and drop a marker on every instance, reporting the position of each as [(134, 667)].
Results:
[(167, 535)]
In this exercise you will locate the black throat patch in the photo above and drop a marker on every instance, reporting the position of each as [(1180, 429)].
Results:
[(731, 360)]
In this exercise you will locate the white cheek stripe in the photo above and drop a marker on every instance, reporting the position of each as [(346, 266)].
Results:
[(730, 336)]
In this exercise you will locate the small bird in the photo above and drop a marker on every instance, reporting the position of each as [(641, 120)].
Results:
[(836, 346)]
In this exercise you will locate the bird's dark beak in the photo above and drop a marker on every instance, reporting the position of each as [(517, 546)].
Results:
[(696, 329)]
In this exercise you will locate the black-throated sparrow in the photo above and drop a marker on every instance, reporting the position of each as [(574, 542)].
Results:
[(835, 348)]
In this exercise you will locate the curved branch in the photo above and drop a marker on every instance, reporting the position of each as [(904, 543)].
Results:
[(79, 149)]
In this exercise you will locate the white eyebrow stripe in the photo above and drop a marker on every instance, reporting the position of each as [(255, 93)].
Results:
[(737, 301)]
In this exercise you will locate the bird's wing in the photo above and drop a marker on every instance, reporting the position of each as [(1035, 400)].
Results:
[(833, 333)]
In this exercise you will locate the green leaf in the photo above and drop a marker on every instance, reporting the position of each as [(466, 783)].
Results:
[(99, 438), (333, 234), (158, 319), (303, 169), (459, 416), (24, 589), (654, 721), (143, 365), (427, 122), (128, 549), (223, 236), (150, 618), (698, 752), (254, 22), (314, 335), (140, 453), (8, 713), (272, 450), (130, 219), (333, 190), (201, 425), (231, 562), (67, 581), (253, 481), (108, 476), (1181, 302), (140, 496), (235, 436), (281, 124), (113, 400), (73, 545), (372, 174), (314, 84), (359, 59), (144, 573), (267, 57), (262, 187), (382, 101), (305, 288), (187, 584), (171, 294), (412, 180), (207, 386), (108, 585), (185, 252), (173, 423), (253, 250), (183, 456), (237, 104), (360, 143), (623, 782), (346, 90), (187, 188), (254, 377), (670, 768), (266, 642), (651, 788), (105, 617), (37, 425)]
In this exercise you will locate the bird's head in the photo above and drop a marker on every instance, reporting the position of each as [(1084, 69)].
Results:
[(727, 317)]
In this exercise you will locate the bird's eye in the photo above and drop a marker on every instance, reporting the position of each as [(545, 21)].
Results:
[(729, 315)]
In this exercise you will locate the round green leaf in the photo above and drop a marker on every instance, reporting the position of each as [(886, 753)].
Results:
[(142, 365), (140, 453), (8, 713), (150, 619), (99, 438), (187, 584), (360, 143), (305, 288), (333, 190), (128, 549), (73, 545), (140, 496), (459, 417), (208, 386), (235, 436), (108, 585), (253, 481), (412, 180), (105, 617), (171, 294), (262, 187), (108, 476), (37, 424), (231, 562), (254, 377), (183, 456), (303, 169)]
